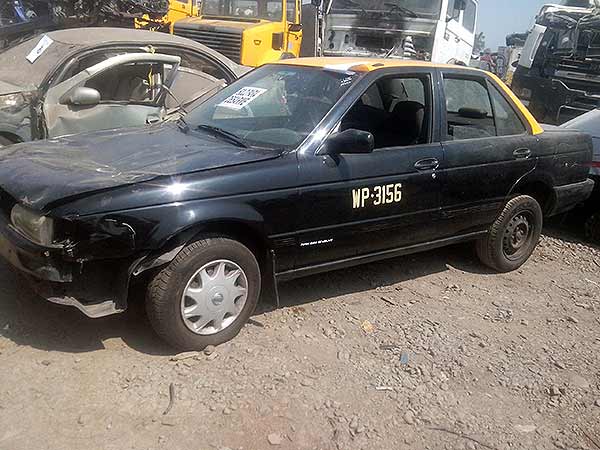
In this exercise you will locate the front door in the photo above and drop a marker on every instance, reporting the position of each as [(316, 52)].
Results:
[(487, 147), (129, 92), (356, 204)]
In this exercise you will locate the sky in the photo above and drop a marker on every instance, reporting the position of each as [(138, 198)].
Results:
[(497, 18)]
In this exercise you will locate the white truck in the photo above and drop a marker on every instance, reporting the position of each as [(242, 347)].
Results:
[(441, 31)]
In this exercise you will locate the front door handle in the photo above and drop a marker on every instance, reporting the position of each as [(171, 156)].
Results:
[(427, 164), (522, 153)]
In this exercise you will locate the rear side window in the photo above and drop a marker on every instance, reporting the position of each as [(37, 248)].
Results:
[(473, 112), (468, 109), (507, 121)]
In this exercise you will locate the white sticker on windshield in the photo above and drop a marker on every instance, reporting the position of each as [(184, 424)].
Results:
[(242, 97), (39, 49)]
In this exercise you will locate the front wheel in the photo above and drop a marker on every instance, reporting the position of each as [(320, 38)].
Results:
[(205, 295), (513, 236)]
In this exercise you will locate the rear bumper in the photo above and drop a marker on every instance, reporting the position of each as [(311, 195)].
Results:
[(569, 196)]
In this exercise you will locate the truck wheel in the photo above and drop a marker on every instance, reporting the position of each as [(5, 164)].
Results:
[(205, 295), (513, 236), (592, 228)]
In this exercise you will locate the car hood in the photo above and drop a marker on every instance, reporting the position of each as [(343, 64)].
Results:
[(40, 173)]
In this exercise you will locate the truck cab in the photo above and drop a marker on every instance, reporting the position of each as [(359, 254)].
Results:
[(441, 31), (250, 32)]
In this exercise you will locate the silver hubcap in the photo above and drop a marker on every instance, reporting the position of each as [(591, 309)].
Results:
[(214, 297)]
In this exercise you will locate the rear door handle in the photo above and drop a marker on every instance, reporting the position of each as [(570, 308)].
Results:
[(427, 164), (522, 153)]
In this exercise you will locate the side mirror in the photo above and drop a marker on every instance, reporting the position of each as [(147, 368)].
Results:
[(295, 27), (82, 96), (347, 142)]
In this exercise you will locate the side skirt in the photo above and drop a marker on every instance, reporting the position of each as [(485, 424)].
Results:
[(377, 256)]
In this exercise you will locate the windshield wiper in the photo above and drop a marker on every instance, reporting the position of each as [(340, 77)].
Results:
[(231, 137), (402, 10)]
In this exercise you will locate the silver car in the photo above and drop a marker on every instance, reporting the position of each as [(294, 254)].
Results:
[(85, 79)]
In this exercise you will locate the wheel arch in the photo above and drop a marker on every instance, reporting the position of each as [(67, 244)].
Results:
[(250, 234), (539, 188)]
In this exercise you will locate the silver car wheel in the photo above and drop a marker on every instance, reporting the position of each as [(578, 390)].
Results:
[(214, 297)]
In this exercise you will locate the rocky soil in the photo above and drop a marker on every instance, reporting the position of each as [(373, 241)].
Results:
[(430, 351)]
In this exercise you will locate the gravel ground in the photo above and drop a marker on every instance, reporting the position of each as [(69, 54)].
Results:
[(430, 351)]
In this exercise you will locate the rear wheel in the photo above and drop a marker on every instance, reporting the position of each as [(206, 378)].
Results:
[(513, 236), (206, 295)]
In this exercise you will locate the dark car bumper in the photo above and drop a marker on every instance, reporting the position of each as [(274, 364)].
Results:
[(569, 196), (96, 288)]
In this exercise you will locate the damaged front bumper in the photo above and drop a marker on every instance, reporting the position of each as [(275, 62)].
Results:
[(96, 288)]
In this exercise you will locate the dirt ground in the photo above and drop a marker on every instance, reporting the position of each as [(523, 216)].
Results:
[(430, 351)]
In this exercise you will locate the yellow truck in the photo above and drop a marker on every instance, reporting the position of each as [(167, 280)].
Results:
[(250, 32)]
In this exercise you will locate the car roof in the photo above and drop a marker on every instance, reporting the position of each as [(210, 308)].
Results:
[(365, 64), (98, 36)]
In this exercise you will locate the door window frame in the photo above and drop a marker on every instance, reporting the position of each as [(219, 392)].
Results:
[(346, 103), (486, 81)]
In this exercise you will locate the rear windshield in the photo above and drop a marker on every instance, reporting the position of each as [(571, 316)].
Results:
[(18, 71)]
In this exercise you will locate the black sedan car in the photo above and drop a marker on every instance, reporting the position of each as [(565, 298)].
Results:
[(87, 79), (298, 167)]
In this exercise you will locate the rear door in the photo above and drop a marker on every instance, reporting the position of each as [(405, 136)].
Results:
[(487, 149), (131, 93)]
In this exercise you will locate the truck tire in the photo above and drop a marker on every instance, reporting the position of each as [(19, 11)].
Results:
[(205, 295), (513, 236), (592, 228)]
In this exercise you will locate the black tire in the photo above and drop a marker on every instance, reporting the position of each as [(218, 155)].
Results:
[(165, 291), (592, 228), (513, 236)]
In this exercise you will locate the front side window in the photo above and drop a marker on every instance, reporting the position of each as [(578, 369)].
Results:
[(291, 11), (248, 9), (470, 16), (395, 110), (275, 106), (132, 83)]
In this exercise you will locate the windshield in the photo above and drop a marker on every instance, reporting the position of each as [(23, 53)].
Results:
[(18, 71), (422, 8), (275, 106), (578, 3), (248, 9)]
